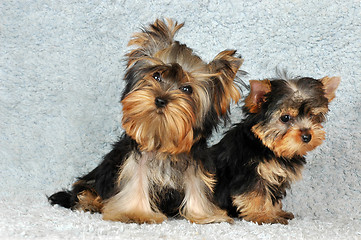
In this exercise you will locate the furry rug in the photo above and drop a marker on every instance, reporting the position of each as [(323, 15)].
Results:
[(61, 69)]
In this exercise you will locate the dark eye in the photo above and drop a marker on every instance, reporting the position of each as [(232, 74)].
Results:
[(285, 118), (157, 76), (187, 89)]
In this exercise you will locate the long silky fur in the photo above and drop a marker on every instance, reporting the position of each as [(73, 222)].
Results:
[(150, 172)]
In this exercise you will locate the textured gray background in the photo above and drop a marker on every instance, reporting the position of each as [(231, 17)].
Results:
[(61, 69)]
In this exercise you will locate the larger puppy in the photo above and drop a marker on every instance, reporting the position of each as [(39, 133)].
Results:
[(171, 103)]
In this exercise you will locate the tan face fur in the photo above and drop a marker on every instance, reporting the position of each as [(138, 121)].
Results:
[(293, 114)]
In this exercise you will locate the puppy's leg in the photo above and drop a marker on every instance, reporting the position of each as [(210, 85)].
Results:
[(89, 200), (196, 206), (133, 203), (258, 208), (83, 196)]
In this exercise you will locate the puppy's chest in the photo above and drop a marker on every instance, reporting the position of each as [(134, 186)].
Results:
[(277, 174), (161, 170)]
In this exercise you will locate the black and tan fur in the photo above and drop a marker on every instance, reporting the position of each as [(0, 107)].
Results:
[(171, 103), (258, 159)]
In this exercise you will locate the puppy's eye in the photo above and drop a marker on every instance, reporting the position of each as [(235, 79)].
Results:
[(157, 76), (187, 89), (285, 118)]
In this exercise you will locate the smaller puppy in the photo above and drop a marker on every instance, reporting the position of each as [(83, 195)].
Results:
[(263, 154)]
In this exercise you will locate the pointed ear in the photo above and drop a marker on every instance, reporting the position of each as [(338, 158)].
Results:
[(254, 100), (330, 85), (224, 67)]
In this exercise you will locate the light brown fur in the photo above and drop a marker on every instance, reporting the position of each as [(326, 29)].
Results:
[(141, 176), (290, 127), (274, 173), (133, 203), (258, 207), (166, 134), (169, 131), (196, 206), (255, 98), (89, 201), (286, 141)]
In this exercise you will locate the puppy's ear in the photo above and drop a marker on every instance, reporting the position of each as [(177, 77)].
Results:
[(330, 85), (259, 88), (224, 67)]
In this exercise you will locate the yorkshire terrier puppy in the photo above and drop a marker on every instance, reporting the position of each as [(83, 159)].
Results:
[(171, 103), (258, 158)]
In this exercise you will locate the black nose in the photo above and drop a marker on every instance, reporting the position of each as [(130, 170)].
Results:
[(306, 138), (159, 102)]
